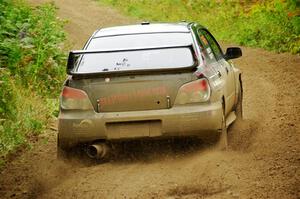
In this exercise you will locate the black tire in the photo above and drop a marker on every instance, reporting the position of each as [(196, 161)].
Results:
[(223, 139), (61, 154), (239, 105)]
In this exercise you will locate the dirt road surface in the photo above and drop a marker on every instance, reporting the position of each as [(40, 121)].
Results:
[(262, 162)]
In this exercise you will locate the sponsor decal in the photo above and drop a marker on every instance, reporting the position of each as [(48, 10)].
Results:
[(86, 123), (123, 97)]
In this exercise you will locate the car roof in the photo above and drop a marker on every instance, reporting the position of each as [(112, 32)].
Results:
[(143, 28)]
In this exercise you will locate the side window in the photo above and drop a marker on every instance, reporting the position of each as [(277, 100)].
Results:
[(206, 51), (212, 43)]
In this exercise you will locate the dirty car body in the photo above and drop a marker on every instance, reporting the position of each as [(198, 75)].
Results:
[(147, 81)]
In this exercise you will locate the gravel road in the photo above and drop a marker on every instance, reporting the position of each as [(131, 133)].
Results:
[(262, 161)]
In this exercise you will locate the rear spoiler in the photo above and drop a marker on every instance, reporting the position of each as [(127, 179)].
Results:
[(75, 54)]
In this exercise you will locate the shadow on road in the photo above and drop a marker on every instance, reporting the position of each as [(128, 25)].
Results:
[(150, 150), (153, 150)]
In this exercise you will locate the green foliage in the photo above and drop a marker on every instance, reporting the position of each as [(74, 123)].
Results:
[(30, 45), (273, 25), (31, 70)]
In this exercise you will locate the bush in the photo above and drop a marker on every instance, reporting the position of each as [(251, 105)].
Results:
[(273, 25), (31, 70), (30, 45)]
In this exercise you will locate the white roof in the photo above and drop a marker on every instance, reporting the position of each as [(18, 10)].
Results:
[(139, 29)]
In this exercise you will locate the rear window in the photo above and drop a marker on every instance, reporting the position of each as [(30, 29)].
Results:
[(144, 59), (136, 60)]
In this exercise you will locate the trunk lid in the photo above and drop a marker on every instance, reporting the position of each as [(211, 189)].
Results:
[(133, 92)]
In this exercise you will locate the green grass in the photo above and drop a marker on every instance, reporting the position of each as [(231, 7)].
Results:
[(32, 68), (273, 25)]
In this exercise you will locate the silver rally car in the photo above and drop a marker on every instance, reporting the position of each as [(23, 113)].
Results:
[(148, 81)]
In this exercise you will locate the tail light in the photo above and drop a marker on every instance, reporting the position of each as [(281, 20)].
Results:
[(193, 92), (72, 98)]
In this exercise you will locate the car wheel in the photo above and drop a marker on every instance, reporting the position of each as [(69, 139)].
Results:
[(61, 153), (223, 140), (239, 106)]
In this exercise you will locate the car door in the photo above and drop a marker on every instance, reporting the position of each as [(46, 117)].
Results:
[(223, 68)]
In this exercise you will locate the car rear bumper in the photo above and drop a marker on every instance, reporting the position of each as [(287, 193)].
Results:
[(76, 127)]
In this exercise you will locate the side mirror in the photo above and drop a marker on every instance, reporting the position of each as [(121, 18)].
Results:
[(232, 53)]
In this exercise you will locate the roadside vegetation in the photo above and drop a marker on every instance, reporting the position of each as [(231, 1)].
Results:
[(31, 71), (272, 24)]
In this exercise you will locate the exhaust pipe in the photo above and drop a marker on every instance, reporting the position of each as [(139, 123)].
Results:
[(97, 150)]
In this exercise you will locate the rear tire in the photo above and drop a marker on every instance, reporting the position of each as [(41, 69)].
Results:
[(61, 154), (239, 105), (223, 140)]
